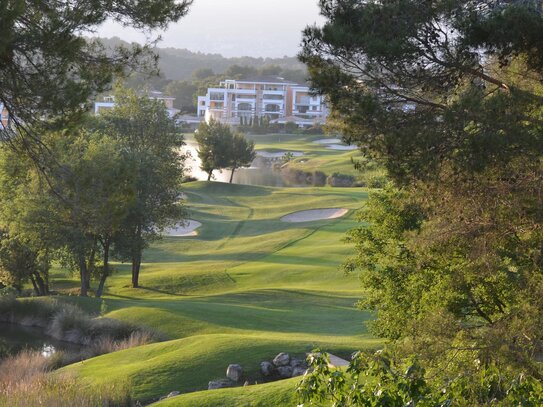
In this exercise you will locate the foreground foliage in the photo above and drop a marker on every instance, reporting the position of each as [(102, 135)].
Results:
[(378, 379)]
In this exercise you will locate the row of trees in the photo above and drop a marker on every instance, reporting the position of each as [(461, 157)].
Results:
[(219, 148), (112, 184), (448, 97)]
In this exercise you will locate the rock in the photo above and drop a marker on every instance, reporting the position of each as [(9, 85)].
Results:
[(234, 372), (173, 394), (219, 384), (298, 371), (266, 368), (285, 371), (297, 363), (282, 359)]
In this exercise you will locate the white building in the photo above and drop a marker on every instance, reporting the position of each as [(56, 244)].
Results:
[(108, 102), (271, 97)]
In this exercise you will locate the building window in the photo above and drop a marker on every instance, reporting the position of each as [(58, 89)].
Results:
[(272, 108), (245, 107)]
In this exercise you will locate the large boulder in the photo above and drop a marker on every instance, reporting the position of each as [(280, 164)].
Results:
[(219, 384), (266, 368), (285, 371), (234, 372), (298, 371), (297, 363), (281, 359)]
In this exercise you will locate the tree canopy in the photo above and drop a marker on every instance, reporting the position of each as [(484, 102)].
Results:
[(449, 98), (50, 70)]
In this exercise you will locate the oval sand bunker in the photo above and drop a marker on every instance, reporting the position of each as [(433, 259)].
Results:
[(341, 147), (186, 229), (314, 214)]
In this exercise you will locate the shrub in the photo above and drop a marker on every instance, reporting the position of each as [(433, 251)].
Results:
[(319, 179), (341, 180), (69, 323)]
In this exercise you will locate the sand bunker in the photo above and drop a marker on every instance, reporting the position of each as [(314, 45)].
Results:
[(268, 154), (315, 214), (186, 229), (341, 147), (328, 141)]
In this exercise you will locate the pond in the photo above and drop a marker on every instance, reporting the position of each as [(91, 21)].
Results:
[(14, 338), (257, 175)]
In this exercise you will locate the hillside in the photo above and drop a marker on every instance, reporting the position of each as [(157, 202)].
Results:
[(179, 64)]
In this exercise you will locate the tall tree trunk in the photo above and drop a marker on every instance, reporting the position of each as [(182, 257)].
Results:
[(136, 258), (40, 284), (209, 175), (232, 174), (136, 265), (105, 269), (92, 262), (35, 285), (84, 275)]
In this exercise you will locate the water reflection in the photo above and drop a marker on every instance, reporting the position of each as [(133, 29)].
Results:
[(15, 338), (257, 175)]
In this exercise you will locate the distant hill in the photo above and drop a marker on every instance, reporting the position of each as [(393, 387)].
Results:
[(179, 64)]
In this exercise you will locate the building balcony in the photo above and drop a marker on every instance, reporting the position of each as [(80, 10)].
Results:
[(242, 91)]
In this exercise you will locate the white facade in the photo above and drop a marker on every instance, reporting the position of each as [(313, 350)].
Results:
[(108, 102), (273, 98)]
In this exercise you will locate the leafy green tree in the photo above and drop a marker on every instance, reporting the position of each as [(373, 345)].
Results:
[(184, 93), (50, 68), (241, 154), (80, 209), (150, 145), (100, 190), (240, 72), (22, 261), (214, 145), (448, 98), (202, 73)]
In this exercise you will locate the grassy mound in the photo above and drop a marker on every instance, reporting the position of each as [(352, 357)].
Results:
[(187, 365), (277, 394)]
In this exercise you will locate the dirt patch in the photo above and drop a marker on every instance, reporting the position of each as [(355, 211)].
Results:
[(314, 214)]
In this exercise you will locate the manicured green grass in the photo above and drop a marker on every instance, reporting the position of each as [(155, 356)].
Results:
[(281, 393), (246, 288), (188, 364)]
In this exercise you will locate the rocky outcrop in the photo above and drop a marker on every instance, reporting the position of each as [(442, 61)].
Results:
[(234, 372), (266, 368), (220, 384), (281, 359), (285, 371)]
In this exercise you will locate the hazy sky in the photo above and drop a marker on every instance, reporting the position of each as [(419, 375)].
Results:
[(260, 28)]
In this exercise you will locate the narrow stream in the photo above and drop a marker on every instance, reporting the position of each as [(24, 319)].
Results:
[(14, 338)]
